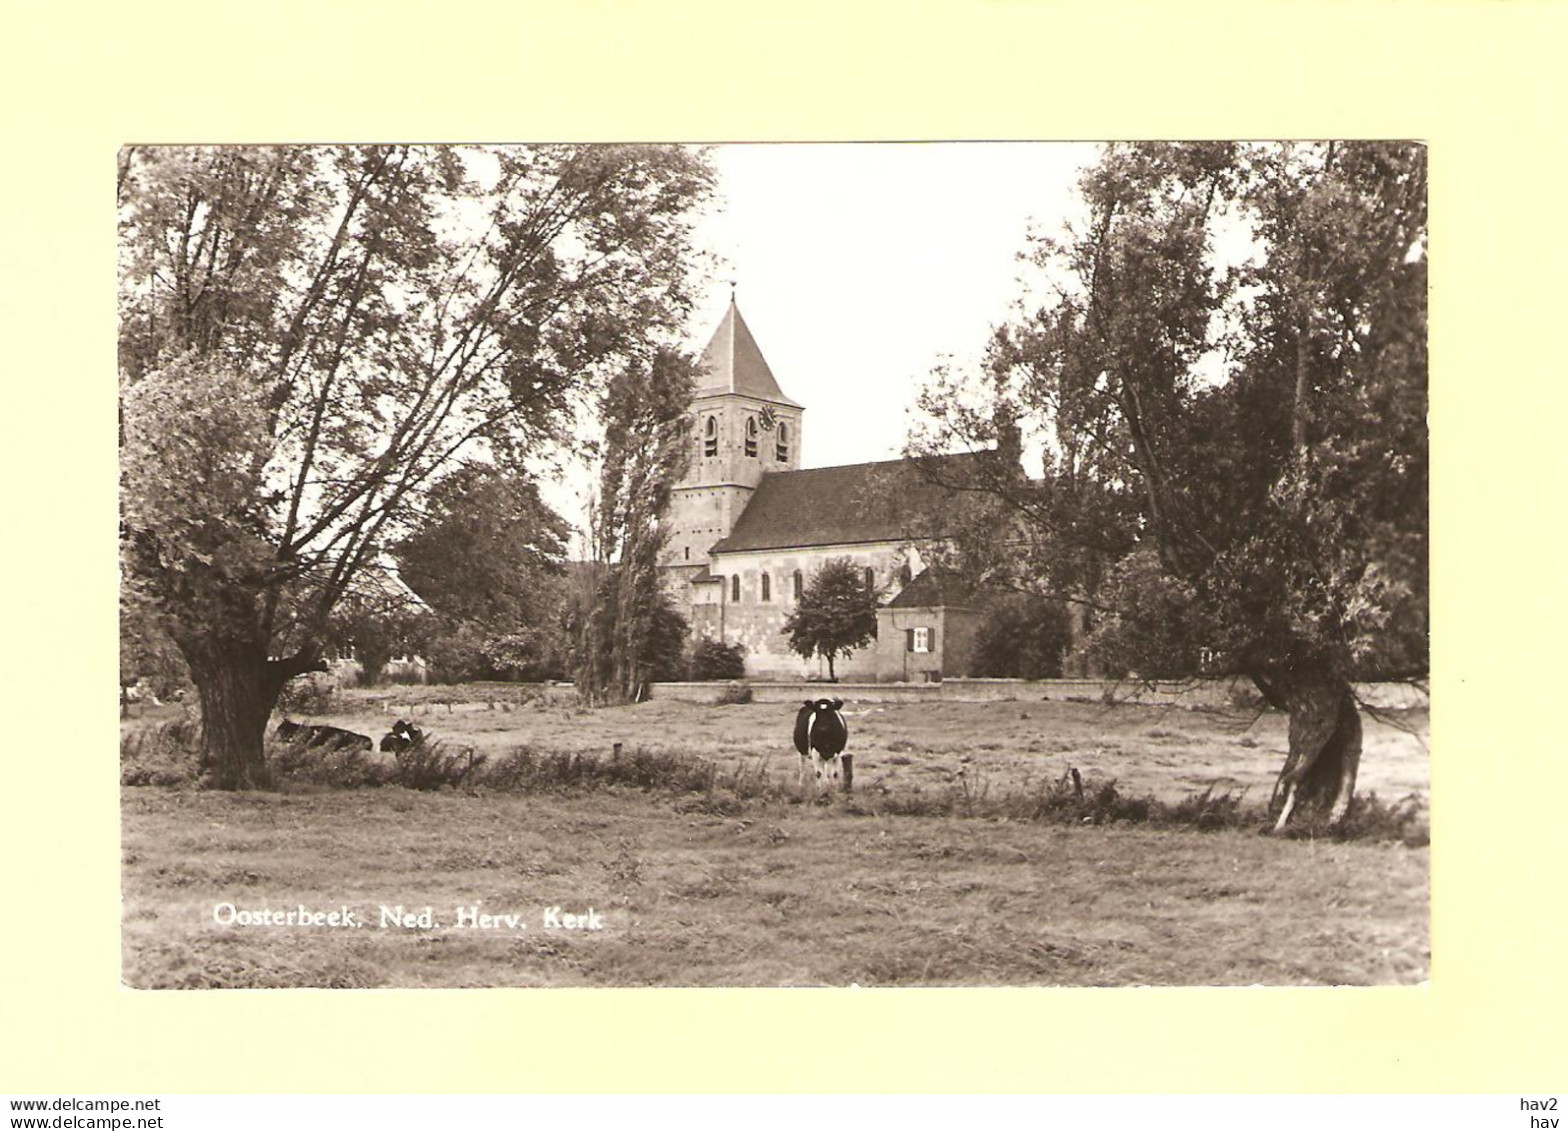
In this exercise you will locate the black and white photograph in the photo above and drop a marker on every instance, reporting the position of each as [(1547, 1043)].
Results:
[(884, 564)]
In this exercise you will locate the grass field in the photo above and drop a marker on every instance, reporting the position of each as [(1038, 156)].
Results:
[(770, 891), (1163, 751)]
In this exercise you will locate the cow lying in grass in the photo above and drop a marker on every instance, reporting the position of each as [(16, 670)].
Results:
[(820, 736), (403, 736), (333, 738)]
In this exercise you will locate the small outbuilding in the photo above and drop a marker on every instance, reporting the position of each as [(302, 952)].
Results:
[(927, 631)]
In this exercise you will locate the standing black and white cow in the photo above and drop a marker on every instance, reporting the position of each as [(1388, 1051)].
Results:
[(820, 736)]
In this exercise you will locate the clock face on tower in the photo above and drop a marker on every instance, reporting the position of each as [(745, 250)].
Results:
[(769, 418)]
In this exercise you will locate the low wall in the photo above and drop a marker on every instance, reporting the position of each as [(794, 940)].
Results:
[(464, 698), (1189, 694)]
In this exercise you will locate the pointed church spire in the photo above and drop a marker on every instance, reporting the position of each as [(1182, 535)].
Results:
[(733, 363)]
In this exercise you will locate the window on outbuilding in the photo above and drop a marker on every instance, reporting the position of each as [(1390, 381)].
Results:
[(767, 588), (920, 639)]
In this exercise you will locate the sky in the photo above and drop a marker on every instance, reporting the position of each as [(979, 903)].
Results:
[(859, 268)]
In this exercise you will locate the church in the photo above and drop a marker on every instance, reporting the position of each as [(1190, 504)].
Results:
[(748, 527)]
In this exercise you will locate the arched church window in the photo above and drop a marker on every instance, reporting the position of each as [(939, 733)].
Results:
[(751, 436), (767, 588), (871, 578), (735, 587), (904, 574), (710, 437), (800, 584), (783, 443)]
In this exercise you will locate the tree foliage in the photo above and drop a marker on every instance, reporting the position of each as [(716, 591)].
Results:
[(375, 629), (1022, 636), (1234, 445), (658, 636), (836, 615), (625, 641), (148, 656), (489, 560), (312, 337)]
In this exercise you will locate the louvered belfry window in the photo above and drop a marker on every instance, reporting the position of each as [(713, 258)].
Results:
[(751, 436), (710, 437), (782, 449)]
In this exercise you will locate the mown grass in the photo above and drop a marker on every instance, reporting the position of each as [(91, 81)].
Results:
[(964, 856), (165, 755), (784, 895), (1163, 751)]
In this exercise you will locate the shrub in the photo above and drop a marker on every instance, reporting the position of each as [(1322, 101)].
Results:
[(713, 659), (294, 763), (526, 769), (1371, 819), (733, 694), (428, 766), (167, 754), (1210, 810)]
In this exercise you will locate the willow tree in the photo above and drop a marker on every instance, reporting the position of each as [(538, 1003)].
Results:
[(312, 337), (1228, 383)]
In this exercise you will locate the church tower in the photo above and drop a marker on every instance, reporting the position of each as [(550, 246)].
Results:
[(743, 427)]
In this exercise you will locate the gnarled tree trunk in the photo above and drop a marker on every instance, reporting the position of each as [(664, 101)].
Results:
[(1319, 776), (237, 686)]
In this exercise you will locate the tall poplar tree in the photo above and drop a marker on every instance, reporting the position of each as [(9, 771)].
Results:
[(631, 630)]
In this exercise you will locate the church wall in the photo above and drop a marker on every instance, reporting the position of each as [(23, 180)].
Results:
[(757, 624), (700, 517)]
